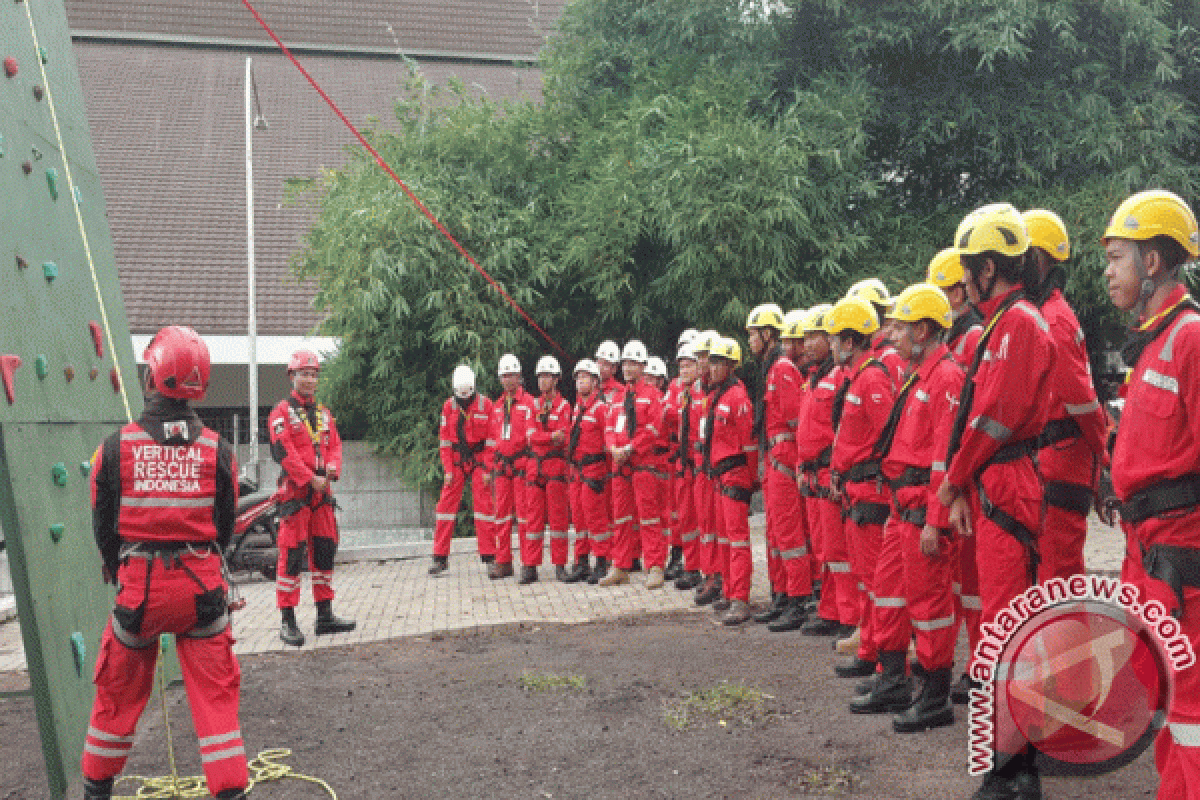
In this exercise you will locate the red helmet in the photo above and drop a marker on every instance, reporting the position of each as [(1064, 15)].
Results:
[(178, 363), (303, 359)]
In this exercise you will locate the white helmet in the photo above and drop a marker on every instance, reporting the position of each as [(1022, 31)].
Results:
[(588, 366), (463, 381), (686, 351), (508, 365), (634, 351), (656, 366), (608, 351), (548, 365), (687, 336)]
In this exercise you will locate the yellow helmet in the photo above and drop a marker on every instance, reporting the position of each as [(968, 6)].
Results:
[(768, 315), (815, 322), (998, 228), (1155, 212), (852, 314), (705, 341), (726, 347), (1047, 231), (946, 269), (793, 323), (873, 291), (923, 301)]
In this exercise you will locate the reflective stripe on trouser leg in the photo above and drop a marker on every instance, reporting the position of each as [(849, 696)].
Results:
[(968, 605), (842, 589), (791, 534), (689, 536), (504, 500), (213, 680), (533, 534), (595, 511), (557, 518), (736, 525), (889, 626), (623, 510), (648, 497), (930, 590), (485, 525), (447, 510), (704, 523), (292, 541), (124, 678), (1060, 544)]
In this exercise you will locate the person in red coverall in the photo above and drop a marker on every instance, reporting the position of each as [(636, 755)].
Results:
[(589, 477), (712, 562), (837, 610), (546, 512), (791, 578), (306, 445), (992, 487), (631, 436), (504, 455), (1074, 442), (731, 455), (657, 377), (462, 436), (875, 292), (678, 417), (946, 272), (164, 501), (1156, 458), (914, 592), (860, 410)]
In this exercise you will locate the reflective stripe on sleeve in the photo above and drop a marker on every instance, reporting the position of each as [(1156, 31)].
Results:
[(1080, 410)]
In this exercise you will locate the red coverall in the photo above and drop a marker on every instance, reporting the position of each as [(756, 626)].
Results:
[(505, 456), (840, 597), (610, 392), (546, 481), (308, 532), (963, 340), (669, 430), (1069, 465), (683, 422), (462, 437), (1008, 411), (708, 553), (787, 527), (733, 457), (867, 405), (1157, 441), (914, 592), (160, 507), (589, 478), (885, 354), (633, 421)]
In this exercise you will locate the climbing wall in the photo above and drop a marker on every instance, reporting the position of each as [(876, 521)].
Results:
[(67, 367)]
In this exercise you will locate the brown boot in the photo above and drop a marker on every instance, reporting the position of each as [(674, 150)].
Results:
[(656, 579), (615, 577), (849, 645), (498, 570)]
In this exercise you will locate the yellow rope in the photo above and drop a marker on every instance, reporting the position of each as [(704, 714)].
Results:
[(264, 768), (75, 202)]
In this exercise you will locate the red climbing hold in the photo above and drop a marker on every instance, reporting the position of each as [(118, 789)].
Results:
[(97, 338), (9, 365), (10, 67)]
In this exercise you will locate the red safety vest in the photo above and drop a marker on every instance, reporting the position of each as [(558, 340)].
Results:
[(167, 491)]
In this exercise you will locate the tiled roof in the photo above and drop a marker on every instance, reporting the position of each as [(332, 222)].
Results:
[(168, 130), (466, 28)]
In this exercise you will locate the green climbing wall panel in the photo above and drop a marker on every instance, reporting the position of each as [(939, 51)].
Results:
[(63, 322)]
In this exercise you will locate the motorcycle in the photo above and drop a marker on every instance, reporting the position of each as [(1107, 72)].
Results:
[(254, 545)]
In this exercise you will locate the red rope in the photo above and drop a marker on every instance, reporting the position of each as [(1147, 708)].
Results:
[(384, 166)]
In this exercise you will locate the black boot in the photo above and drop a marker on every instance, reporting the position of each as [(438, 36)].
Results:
[(1027, 783), (1002, 781), (97, 790), (710, 591), (866, 685), (581, 571), (893, 688), (328, 622), (960, 692), (779, 603), (674, 564), (932, 708), (792, 618), (600, 570), (231, 794), (440, 564), (289, 631), (689, 580), (855, 668), (637, 565), (819, 626), (488, 559), (528, 575)]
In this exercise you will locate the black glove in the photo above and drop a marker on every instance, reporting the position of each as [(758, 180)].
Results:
[(1107, 504)]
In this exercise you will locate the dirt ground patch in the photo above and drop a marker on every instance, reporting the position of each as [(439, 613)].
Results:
[(585, 711)]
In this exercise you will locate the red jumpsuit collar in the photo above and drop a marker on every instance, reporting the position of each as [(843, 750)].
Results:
[(931, 360), (989, 306)]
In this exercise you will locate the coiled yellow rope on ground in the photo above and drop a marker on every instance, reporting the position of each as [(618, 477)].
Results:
[(267, 766)]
